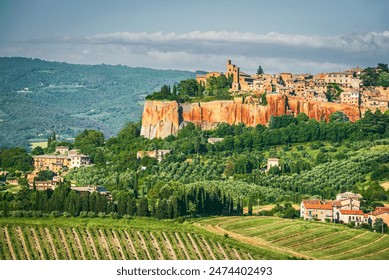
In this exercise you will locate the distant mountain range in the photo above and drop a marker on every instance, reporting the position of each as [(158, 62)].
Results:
[(38, 97)]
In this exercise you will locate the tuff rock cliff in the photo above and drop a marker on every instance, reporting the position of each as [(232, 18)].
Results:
[(163, 118)]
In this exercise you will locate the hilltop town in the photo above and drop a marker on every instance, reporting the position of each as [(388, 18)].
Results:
[(344, 87), (236, 97)]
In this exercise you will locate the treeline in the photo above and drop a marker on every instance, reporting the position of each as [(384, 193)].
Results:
[(15, 159), (217, 88), (376, 76), (167, 203), (287, 130)]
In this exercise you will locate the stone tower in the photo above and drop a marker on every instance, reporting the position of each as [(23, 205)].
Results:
[(234, 71)]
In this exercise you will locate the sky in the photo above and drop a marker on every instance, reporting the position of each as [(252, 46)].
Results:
[(299, 36)]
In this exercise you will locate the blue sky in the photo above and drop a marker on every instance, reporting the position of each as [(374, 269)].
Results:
[(295, 36)]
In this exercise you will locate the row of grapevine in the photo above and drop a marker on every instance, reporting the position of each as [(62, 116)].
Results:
[(75, 243)]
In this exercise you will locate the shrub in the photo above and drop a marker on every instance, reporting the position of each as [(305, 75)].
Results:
[(55, 214), (83, 214), (351, 224), (114, 215), (92, 214), (17, 213), (101, 215), (37, 214), (66, 214)]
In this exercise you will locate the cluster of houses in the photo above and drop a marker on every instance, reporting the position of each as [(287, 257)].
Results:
[(60, 163), (345, 209), (307, 86)]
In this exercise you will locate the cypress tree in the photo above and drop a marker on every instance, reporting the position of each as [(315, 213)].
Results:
[(250, 207), (143, 207)]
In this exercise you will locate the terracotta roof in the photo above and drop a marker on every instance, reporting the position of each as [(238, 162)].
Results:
[(312, 202), (320, 206), (351, 212)]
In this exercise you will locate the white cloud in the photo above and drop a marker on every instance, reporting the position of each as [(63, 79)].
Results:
[(209, 50), (349, 43)]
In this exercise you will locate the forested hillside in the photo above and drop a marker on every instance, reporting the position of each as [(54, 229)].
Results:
[(38, 97)]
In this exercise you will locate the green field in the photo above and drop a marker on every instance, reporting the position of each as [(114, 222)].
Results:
[(309, 240), (123, 239)]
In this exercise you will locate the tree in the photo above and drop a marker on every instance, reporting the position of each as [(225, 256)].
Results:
[(339, 117), (187, 87), (143, 207), (250, 207), (383, 79), (37, 151), (15, 159), (89, 140), (302, 117), (380, 226), (45, 175), (260, 70)]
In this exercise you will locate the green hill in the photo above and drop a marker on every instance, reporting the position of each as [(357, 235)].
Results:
[(38, 97), (308, 240)]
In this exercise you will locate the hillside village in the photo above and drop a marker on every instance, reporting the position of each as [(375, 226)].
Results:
[(339, 87)]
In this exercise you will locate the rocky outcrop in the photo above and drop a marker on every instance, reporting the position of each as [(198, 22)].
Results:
[(163, 118), (160, 119)]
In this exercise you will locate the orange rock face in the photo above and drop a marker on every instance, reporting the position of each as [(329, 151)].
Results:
[(163, 118)]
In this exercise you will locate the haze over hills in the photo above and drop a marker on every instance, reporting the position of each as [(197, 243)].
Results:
[(38, 97)]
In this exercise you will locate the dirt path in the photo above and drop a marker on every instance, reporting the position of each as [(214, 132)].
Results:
[(23, 242), (181, 245), (257, 241), (116, 242), (92, 244), (209, 249), (143, 245), (78, 243), (129, 241), (51, 243), (9, 243), (37, 244), (103, 242), (65, 244), (156, 246), (195, 246), (169, 247)]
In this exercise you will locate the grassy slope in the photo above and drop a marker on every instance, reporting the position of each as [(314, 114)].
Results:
[(312, 240)]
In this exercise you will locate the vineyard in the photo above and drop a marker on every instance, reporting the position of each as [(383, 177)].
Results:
[(309, 240), (81, 239)]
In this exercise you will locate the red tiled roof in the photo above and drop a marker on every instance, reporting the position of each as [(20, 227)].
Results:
[(351, 212), (320, 206)]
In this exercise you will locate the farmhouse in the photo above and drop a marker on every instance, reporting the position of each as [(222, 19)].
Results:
[(345, 208), (272, 162), (348, 216), (214, 140), (380, 213)]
